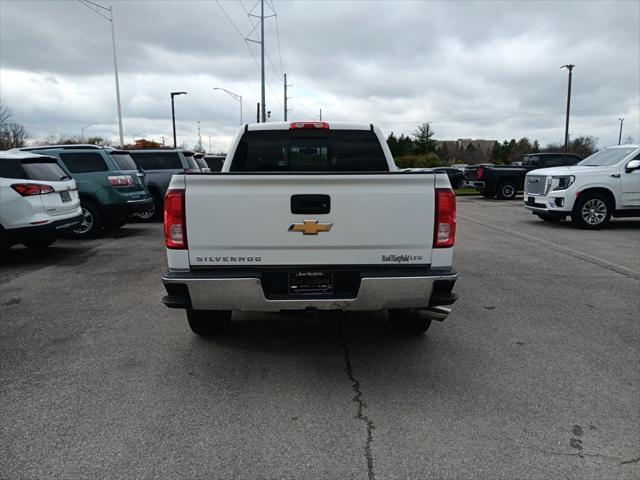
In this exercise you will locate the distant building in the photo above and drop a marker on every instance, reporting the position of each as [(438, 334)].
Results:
[(460, 152)]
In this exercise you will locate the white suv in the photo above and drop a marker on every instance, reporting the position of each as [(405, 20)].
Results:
[(38, 200), (603, 185)]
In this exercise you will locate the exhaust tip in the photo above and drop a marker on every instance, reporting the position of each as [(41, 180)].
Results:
[(437, 313)]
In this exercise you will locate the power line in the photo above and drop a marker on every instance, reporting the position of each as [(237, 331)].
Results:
[(246, 42), (278, 36), (229, 18), (243, 7), (278, 73)]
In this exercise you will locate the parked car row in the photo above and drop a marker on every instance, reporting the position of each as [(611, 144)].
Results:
[(82, 190), (505, 181), (603, 185), (558, 186)]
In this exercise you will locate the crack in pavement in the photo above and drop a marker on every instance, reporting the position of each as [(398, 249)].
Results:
[(357, 397), (597, 455)]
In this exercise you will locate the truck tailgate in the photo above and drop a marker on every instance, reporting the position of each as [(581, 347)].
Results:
[(373, 219)]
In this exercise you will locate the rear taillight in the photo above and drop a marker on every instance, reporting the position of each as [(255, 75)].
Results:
[(175, 225), (479, 173), (444, 234), (307, 125), (190, 170), (29, 189), (121, 181)]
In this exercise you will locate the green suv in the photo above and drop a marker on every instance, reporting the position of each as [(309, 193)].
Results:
[(110, 186)]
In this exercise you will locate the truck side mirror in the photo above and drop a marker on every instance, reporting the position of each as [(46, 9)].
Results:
[(632, 165)]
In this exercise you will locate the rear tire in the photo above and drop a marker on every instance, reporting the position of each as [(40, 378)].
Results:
[(208, 322), (408, 321), (158, 207), (39, 244), (507, 190), (5, 246), (151, 214), (91, 221), (592, 211)]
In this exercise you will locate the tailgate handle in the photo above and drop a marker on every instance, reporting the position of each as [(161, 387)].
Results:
[(309, 204)]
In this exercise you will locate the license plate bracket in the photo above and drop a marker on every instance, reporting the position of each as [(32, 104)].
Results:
[(304, 283), (65, 197)]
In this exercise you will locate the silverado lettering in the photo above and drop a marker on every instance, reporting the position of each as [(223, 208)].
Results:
[(228, 259)]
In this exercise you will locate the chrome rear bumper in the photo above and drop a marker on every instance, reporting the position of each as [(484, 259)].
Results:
[(247, 294)]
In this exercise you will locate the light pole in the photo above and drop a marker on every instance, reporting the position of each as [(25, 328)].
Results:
[(86, 126), (107, 14), (173, 116), (620, 134), (566, 127), (234, 95)]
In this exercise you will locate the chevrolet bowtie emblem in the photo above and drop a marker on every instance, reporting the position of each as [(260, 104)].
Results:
[(310, 227)]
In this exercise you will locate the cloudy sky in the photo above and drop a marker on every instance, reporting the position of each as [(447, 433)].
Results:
[(474, 69)]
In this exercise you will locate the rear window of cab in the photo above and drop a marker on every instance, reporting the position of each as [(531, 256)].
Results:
[(309, 151)]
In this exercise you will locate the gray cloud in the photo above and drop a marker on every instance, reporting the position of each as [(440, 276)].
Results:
[(474, 69)]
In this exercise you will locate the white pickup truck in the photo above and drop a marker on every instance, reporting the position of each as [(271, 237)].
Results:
[(310, 216), (602, 185)]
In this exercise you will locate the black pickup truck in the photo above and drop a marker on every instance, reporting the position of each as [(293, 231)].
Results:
[(504, 181)]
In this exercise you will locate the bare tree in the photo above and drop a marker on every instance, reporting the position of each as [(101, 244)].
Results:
[(5, 114), (61, 139), (16, 134), (12, 134), (627, 140)]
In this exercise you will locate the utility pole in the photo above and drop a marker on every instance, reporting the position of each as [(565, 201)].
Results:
[(620, 134), (162, 137), (566, 127), (258, 113), (263, 116), (320, 114), (199, 138), (264, 106), (285, 97), (426, 143)]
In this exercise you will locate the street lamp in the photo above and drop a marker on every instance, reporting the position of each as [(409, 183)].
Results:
[(620, 134), (173, 116), (86, 126), (107, 14), (566, 128), (234, 95)]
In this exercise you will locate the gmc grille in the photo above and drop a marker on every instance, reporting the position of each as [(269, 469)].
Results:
[(535, 185)]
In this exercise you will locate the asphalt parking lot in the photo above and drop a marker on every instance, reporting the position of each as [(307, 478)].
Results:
[(536, 374)]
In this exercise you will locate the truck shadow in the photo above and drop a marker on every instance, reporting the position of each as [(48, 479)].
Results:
[(297, 334), (357, 346)]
